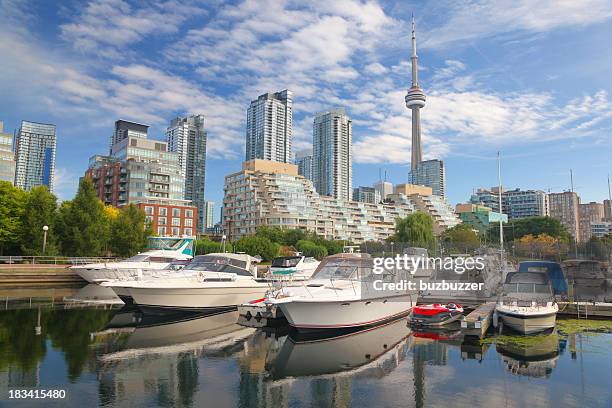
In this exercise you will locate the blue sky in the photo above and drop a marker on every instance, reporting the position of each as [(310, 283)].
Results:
[(529, 78)]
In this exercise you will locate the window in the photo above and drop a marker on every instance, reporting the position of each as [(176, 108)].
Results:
[(161, 220), (148, 220), (149, 210), (163, 211), (188, 213), (176, 222), (161, 230), (189, 222), (176, 231), (176, 212), (188, 231)]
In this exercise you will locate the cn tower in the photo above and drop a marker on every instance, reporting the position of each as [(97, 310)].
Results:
[(415, 100)]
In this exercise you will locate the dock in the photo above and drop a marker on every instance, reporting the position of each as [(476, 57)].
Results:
[(478, 321), (586, 310), (19, 275)]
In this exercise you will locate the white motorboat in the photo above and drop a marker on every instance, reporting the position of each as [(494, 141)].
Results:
[(163, 252), (527, 304), (295, 268), (344, 292), (213, 281)]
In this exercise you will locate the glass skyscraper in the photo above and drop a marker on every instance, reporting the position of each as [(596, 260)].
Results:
[(332, 135), (186, 137), (7, 156), (36, 146), (269, 132), (430, 173), (303, 159)]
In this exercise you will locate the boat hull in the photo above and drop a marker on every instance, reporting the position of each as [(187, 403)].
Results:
[(195, 298), (528, 323), (98, 275), (305, 315)]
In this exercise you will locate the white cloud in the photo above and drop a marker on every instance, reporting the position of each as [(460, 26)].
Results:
[(376, 68), (106, 26), (468, 21), (328, 53)]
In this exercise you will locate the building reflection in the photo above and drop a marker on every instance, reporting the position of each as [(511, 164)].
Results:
[(191, 359)]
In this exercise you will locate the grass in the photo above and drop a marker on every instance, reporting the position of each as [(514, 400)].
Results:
[(565, 327), (571, 326)]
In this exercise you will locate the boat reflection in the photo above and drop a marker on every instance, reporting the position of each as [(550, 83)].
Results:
[(131, 333), (533, 356), (94, 294), (381, 347)]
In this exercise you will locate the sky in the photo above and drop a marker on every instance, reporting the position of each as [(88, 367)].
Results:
[(530, 79)]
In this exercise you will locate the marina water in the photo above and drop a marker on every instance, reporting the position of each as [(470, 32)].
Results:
[(111, 356)]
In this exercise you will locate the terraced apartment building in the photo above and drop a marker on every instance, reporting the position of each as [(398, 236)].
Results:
[(274, 194)]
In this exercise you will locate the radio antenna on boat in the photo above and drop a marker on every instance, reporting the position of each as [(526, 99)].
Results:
[(501, 211)]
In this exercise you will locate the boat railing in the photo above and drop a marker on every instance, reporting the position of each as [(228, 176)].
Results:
[(54, 260)]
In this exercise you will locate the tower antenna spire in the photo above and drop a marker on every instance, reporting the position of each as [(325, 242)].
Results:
[(414, 58), (415, 100)]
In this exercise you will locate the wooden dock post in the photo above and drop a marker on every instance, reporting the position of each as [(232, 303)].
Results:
[(478, 322)]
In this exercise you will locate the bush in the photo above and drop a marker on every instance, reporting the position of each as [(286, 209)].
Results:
[(206, 246), (309, 248), (257, 246)]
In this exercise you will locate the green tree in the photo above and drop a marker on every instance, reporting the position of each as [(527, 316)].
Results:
[(40, 210), (309, 248), (292, 236), (274, 234), (461, 237), (257, 246), (332, 246), (128, 232), (82, 225), (416, 229), (12, 208), (206, 246), (516, 229)]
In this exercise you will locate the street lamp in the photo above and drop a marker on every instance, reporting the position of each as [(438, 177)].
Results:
[(45, 229), (223, 238)]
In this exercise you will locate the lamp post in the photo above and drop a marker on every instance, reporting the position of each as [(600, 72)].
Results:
[(223, 238), (45, 229)]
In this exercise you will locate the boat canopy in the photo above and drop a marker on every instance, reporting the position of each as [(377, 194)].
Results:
[(552, 269), (344, 266)]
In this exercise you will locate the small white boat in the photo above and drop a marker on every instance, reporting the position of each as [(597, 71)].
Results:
[(527, 304), (164, 251), (343, 292), (295, 268), (213, 281)]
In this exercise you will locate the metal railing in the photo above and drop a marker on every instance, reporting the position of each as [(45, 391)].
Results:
[(54, 260)]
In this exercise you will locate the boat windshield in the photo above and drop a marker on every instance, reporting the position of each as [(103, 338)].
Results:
[(526, 288), (286, 261), (219, 260), (344, 269), (218, 267)]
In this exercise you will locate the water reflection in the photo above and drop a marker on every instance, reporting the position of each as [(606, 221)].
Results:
[(131, 333), (381, 347), (531, 356), (124, 358)]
